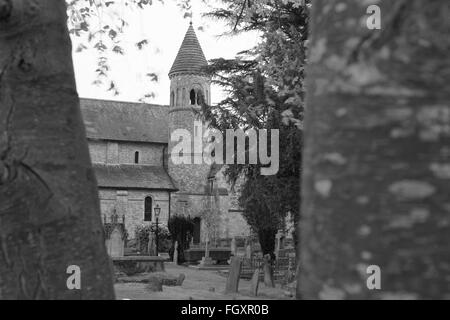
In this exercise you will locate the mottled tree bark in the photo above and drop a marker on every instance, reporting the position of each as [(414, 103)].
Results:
[(376, 169), (49, 208)]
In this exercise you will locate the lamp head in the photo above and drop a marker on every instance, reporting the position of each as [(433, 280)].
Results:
[(157, 211)]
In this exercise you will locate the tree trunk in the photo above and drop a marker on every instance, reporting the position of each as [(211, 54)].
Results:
[(267, 241), (49, 208), (376, 170)]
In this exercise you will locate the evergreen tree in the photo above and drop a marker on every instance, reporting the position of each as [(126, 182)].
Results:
[(265, 91)]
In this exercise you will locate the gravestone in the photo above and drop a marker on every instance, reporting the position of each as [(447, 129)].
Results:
[(151, 249), (175, 252), (116, 244), (180, 279), (234, 275), (207, 248), (115, 235), (278, 245), (233, 247), (206, 260), (249, 251), (255, 283)]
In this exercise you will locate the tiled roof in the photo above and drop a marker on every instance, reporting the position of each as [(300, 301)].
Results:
[(190, 58), (125, 121), (133, 176)]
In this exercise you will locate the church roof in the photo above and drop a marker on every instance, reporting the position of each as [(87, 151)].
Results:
[(133, 176), (125, 121), (190, 58)]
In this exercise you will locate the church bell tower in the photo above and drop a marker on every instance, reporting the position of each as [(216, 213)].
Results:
[(188, 83)]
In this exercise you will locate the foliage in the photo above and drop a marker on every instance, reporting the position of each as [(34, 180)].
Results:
[(108, 228), (181, 229), (142, 237), (265, 91), (101, 25)]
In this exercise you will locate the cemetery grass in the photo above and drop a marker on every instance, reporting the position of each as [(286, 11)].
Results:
[(198, 285)]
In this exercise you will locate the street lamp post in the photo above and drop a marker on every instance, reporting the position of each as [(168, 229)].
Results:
[(157, 212)]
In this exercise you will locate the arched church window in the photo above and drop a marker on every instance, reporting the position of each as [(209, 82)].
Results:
[(197, 229), (192, 97), (136, 157), (199, 97), (172, 99), (178, 97), (148, 209), (183, 99)]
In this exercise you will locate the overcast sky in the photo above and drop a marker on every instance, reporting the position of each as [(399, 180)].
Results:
[(165, 27)]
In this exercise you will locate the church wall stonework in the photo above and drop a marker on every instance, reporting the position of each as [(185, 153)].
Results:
[(185, 83), (149, 154), (107, 152), (189, 178), (97, 149), (197, 193), (192, 179), (134, 206), (187, 205), (230, 222), (234, 225), (112, 152)]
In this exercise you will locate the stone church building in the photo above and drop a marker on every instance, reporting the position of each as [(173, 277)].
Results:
[(130, 147)]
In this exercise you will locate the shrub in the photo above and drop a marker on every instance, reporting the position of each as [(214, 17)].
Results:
[(181, 229), (142, 233)]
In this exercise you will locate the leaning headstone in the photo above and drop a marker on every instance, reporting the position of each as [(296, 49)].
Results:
[(175, 253), (234, 275), (268, 272), (255, 283)]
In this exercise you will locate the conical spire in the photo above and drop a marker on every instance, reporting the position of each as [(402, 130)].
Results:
[(190, 58)]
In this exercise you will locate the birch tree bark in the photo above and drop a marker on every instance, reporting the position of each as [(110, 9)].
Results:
[(376, 169), (49, 208)]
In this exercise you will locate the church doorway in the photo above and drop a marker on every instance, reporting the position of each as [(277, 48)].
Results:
[(197, 227)]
